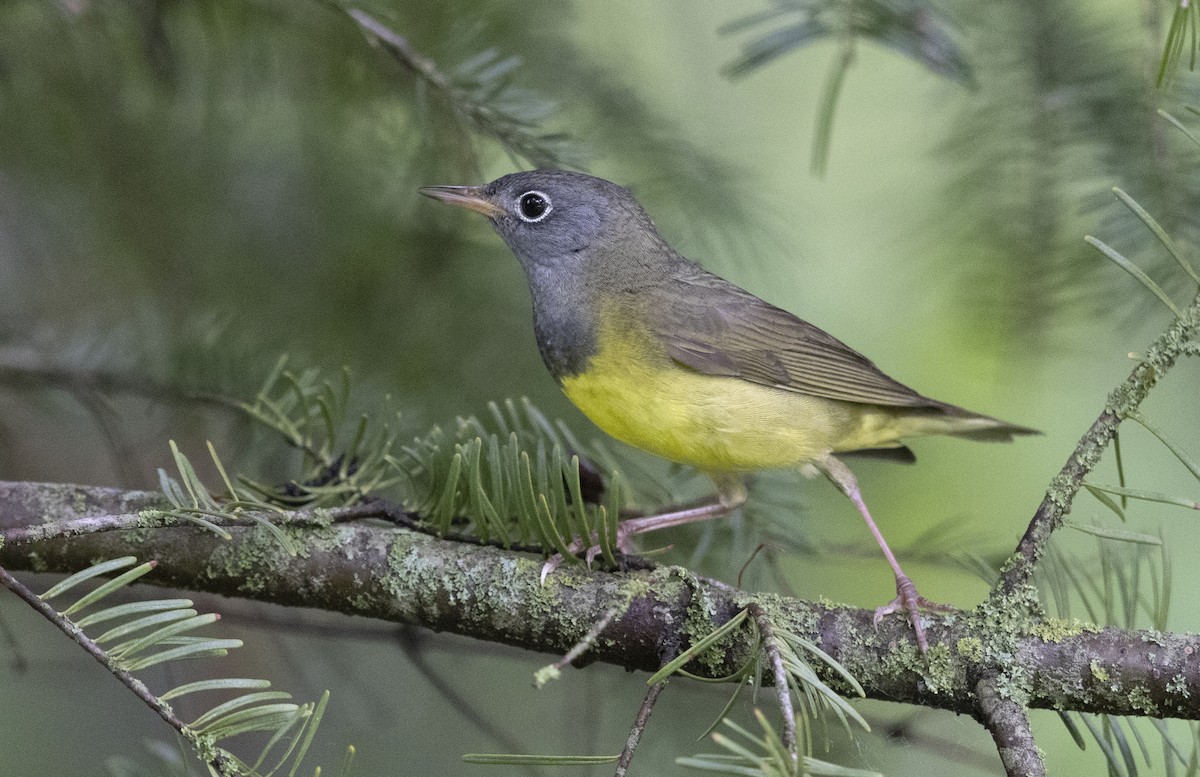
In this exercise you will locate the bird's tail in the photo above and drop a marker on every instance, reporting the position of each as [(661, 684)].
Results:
[(958, 422)]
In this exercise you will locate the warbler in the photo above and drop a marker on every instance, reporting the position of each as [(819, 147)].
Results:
[(670, 358)]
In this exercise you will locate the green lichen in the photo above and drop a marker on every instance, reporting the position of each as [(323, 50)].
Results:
[(546, 674), (1178, 684), (1152, 636), (256, 555), (941, 670), (702, 610), (996, 627), (36, 562), (1059, 629), (1099, 672), (431, 586), (1015, 685), (971, 648), (153, 519), (1141, 699)]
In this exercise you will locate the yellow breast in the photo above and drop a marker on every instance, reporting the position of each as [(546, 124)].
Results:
[(633, 391)]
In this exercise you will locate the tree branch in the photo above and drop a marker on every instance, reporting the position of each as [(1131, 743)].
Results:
[(74, 527), (24, 369), (1008, 723), (493, 594), (503, 123), (1160, 357), (783, 691)]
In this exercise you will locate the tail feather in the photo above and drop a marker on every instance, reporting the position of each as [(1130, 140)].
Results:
[(955, 421), (1002, 433)]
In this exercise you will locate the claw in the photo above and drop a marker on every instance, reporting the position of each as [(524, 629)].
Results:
[(591, 554), (629, 529), (908, 600), (552, 563)]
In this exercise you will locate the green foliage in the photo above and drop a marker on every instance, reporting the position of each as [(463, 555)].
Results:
[(1063, 100), (516, 482), (763, 755), (918, 30), (192, 502), (148, 633), (1180, 32), (482, 96), (343, 460), (815, 697), (913, 28)]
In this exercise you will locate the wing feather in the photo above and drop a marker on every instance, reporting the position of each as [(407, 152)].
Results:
[(718, 328)]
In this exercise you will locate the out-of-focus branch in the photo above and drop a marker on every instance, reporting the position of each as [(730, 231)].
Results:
[(515, 129)]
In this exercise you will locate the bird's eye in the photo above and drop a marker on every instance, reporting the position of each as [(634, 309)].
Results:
[(533, 206)]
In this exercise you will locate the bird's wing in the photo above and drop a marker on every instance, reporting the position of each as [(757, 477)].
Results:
[(717, 328)]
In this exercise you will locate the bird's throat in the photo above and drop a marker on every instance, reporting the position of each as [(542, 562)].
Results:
[(565, 329)]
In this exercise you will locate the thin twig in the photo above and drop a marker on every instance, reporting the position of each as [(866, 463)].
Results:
[(783, 691), (74, 527), (551, 672), (20, 371), (216, 758), (501, 124), (1159, 359), (639, 725), (1008, 722)]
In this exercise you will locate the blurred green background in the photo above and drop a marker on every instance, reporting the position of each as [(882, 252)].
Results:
[(190, 189)]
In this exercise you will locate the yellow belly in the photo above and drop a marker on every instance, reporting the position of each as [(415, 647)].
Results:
[(715, 423)]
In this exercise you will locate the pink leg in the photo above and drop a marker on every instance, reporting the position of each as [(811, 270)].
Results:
[(731, 494), (907, 599)]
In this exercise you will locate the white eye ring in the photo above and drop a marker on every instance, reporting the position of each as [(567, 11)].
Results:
[(538, 205)]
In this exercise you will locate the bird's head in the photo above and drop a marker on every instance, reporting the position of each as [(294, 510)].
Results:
[(554, 219)]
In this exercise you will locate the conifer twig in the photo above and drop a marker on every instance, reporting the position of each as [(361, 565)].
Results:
[(1124, 399), (505, 126), (783, 690), (639, 726), (215, 757), (551, 671)]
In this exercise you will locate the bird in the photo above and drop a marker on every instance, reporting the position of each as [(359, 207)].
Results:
[(670, 358)]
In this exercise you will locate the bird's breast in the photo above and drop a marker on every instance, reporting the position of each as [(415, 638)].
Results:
[(634, 391)]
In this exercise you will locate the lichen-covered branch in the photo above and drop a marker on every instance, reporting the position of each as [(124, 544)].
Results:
[(1008, 723), (385, 572), (91, 524), (1159, 358)]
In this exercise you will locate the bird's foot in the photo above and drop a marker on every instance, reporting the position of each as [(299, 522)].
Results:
[(908, 600), (623, 545), (632, 527)]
